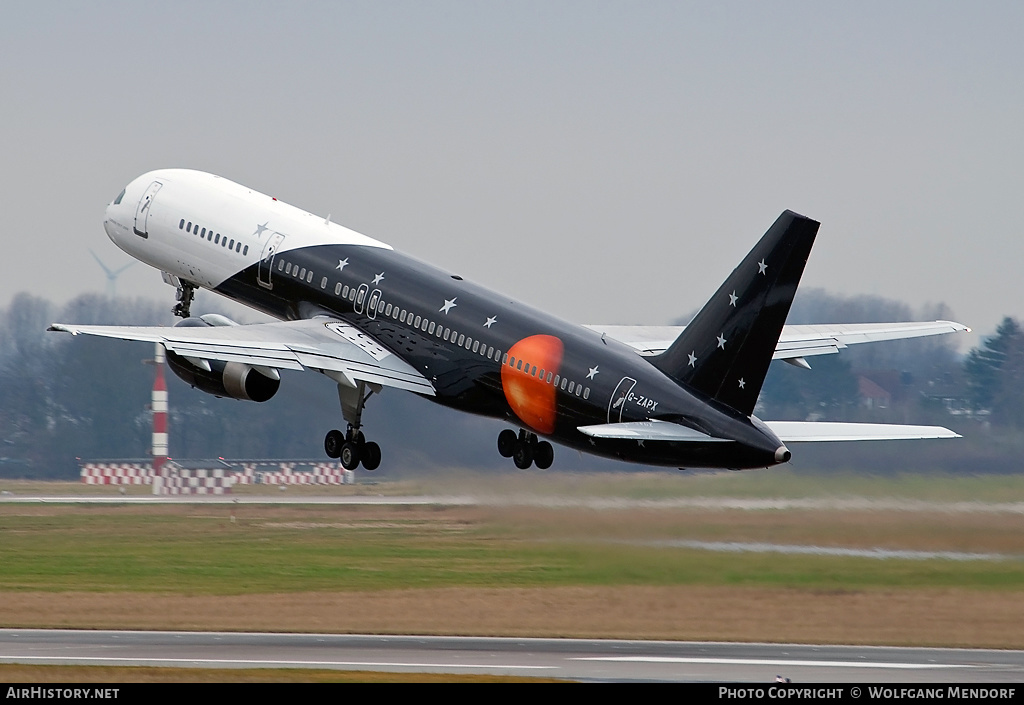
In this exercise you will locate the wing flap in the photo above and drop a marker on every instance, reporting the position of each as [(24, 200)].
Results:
[(817, 431)]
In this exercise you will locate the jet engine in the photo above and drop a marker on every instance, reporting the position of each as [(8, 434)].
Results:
[(223, 379)]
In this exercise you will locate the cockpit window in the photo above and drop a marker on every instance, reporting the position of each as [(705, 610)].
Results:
[(117, 200)]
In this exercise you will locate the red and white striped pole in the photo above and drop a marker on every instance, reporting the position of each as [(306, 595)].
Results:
[(159, 405)]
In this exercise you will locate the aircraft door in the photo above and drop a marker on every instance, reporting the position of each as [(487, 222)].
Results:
[(371, 307), (270, 249), (619, 397), (361, 298), (142, 212)]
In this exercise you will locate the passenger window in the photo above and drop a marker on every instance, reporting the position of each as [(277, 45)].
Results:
[(423, 326), (209, 235), (387, 311), (432, 326), (302, 273), (337, 289), (309, 277), (245, 250), (519, 365), (231, 244), (288, 268), (351, 294), (280, 265), (462, 339), (476, 346), (571, 385), (344, 292), (181, 225), (323, 283), (468, 341), (586, 393), (190, 226), (417, 323), (203, 232), (548, 380)]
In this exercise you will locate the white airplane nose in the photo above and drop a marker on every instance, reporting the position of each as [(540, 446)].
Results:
[(109, 216)]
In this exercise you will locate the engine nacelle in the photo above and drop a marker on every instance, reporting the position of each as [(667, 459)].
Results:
[(222, 379)]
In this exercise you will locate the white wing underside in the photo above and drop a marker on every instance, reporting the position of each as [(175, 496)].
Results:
[(796, 341), (322, 344)]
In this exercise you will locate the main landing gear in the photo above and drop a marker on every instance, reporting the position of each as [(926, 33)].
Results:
[(351, 446), (525, 449)]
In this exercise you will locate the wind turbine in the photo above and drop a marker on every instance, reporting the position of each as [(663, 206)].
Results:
[(112, 275)]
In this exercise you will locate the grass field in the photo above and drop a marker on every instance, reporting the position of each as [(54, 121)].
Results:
[(547, 560)]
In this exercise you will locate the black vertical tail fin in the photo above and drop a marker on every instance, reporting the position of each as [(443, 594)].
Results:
[(725, 350)]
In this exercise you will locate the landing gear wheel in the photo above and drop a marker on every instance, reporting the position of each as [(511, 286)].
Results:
[(543, 455), (185, 293), (506, 443), (350, 456), (333, 443), (370, 456), (522, 455)]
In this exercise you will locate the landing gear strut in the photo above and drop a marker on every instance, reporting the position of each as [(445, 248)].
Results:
[(186, 292), (351, 446), (525, 449)]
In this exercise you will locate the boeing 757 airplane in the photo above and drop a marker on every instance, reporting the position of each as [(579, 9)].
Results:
[(368, 317)]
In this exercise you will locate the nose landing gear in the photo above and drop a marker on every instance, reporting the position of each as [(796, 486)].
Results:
[(525, 449)]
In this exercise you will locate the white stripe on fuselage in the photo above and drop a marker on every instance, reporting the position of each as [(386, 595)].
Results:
[(235, 213)]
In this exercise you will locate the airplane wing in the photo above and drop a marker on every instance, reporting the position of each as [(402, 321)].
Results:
[(796, 341), (653, 430), (322, 344)]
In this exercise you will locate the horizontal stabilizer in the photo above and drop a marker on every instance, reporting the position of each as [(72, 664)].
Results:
[(649, 431), (806, 431)]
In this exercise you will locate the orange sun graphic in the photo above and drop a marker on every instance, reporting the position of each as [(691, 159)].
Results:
[(531, 398)]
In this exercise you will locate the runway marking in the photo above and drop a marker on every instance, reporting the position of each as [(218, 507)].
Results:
[(767, 662), (265, 663), (877, 553)]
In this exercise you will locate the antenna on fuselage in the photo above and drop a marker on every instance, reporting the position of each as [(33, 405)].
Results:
[(112, 275)]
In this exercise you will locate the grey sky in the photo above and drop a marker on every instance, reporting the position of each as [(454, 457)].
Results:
[(610, 162)]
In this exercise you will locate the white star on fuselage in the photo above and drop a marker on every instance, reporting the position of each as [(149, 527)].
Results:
[(733, 298), (260, 229), (762, 267), (342, 263), (377, 279), (721, 340), (742, 383), (593, 372), (693, 359), (490, 321), (448, 305)]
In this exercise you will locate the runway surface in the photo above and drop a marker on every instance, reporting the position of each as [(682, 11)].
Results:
[(573, 659)]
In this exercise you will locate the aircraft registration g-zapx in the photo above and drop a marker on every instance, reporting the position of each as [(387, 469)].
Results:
[(369, 317)]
